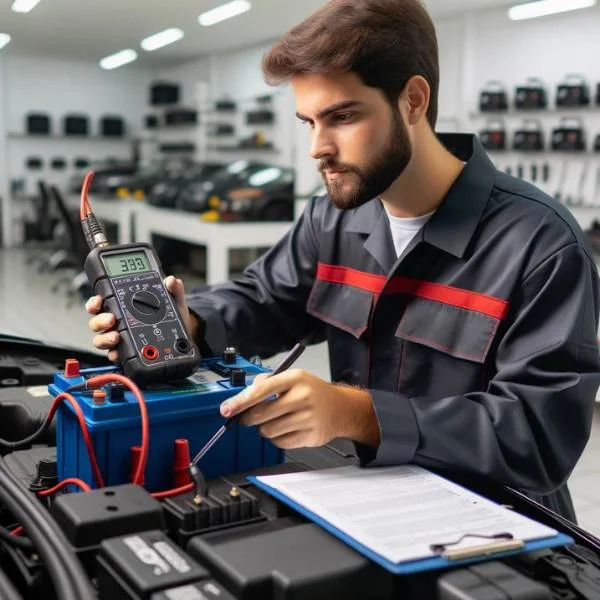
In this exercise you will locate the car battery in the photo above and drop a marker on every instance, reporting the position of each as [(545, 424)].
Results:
[(573, 92), (493, 137), (569, 136), (530, 138), (187, 409), (531, 95), (181, 116), (74, 125), (38, 124), (493, 97)]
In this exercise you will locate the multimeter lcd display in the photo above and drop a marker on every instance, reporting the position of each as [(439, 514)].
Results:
[(129, 263)]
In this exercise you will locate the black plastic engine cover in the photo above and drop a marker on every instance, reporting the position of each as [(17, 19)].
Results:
[(262, 562)]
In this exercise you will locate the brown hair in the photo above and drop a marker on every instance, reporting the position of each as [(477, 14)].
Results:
[(386, 42)]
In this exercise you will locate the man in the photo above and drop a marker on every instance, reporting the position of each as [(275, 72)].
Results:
[(460, 305)]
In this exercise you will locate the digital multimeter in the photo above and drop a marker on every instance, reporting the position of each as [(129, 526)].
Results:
[(155, 346)]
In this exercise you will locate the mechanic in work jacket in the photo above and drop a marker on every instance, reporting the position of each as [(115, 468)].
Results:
[(478, 344)]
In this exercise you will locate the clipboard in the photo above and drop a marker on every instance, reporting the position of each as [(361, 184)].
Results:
[(470, 555)]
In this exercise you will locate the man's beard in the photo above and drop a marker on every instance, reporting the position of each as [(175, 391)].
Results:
[(359, 185)]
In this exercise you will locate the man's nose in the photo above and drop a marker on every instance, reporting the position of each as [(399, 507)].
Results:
[(322, 145)]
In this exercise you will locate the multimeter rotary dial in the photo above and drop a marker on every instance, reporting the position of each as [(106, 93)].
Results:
[(146, 302), (146, 307)]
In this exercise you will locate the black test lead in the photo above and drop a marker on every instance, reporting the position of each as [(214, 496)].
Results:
[(286, 362)]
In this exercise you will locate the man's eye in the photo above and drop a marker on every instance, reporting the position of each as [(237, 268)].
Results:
[(343, 117)]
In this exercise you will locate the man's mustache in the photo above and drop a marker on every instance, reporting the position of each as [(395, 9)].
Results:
[(329, 165)]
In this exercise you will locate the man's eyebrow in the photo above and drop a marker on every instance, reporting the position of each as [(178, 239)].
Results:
[(344, 104)]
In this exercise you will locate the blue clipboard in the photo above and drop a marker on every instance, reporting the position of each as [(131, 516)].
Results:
[(409, 567)]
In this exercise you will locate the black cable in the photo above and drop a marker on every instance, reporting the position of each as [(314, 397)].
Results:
[(24, 443), (7, 590), (15, 540), (64, 568), (580, 535)]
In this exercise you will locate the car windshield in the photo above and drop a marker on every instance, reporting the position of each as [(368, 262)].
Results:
[(239, 170)]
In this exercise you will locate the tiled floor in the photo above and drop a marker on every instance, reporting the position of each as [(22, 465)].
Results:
[(29, 308)]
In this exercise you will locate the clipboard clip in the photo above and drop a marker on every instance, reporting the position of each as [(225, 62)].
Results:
[(499, 542)]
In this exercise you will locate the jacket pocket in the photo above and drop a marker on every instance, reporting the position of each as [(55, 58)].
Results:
[(345, 307), (443, 349), (464, 334)]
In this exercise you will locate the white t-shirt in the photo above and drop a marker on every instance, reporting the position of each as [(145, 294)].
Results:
[(404, 229)]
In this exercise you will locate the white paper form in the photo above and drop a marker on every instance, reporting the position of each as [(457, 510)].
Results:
[(398, 512)]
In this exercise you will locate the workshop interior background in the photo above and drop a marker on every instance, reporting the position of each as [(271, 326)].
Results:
[(158, 119)]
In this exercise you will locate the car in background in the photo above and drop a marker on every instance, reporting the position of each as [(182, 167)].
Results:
[(142, 181), (164, 192), (108, 177), (243, 191)]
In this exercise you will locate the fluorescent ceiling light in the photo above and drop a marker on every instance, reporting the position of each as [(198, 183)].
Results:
[(225, 11), (4, 39), (542, 8), (24, 6), (163, 38), (119, 59)]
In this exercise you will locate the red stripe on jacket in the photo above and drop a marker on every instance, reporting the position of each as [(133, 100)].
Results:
[(438, 292)]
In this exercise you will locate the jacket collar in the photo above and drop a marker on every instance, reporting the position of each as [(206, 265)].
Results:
[(454, 223)]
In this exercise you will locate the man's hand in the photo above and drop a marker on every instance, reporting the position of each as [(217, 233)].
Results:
[(103, 323), (308, 411)]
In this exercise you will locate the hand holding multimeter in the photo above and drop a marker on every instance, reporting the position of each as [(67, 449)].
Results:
[(155, 344)]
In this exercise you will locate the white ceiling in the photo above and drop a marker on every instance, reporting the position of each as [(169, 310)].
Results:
[(92, 29)]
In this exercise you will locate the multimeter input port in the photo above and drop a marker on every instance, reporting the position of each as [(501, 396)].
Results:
[(183, 346), (150, 352)]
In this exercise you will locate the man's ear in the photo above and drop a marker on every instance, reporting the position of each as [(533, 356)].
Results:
[(415, 98)]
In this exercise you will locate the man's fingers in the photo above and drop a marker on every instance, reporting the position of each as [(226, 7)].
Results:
[(285, 425), (113, 356), (94, 305), (171, 284), (102, 322), (261, 390), (290, 440), (241, 402), (175, 287), (106, 341), (268, 411)]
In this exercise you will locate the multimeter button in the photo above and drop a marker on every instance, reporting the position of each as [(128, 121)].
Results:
[(145, 302), (150, 352)]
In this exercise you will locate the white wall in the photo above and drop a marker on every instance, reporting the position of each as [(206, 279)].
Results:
[(187, 75), (58, 87), (474, 48), (549, 48), (4, 187), (451, 42)]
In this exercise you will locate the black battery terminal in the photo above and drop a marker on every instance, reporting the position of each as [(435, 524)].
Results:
[(200, 488)]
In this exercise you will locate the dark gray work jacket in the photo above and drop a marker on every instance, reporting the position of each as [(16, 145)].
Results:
[(478, 345)]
